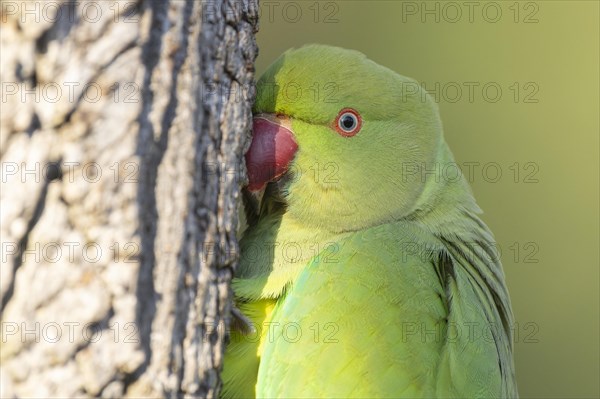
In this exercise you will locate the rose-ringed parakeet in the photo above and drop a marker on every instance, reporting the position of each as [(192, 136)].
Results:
[(365, 270)]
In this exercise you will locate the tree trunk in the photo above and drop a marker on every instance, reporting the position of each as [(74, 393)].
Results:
[(122, 129)]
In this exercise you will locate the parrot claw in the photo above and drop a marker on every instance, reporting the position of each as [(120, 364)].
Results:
[(255, 199), (253, 202), (241, 323)]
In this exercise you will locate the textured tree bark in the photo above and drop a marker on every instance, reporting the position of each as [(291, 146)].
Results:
[(122, 129)]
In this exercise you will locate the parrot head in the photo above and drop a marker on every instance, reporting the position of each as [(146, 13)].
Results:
[(341, 139)]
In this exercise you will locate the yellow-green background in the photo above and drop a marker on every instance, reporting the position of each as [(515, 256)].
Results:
[(557, 354)]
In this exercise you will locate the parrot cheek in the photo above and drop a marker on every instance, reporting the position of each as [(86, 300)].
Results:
[(272, 149)]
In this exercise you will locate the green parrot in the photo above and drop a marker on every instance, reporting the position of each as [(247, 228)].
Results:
[(365, 270)]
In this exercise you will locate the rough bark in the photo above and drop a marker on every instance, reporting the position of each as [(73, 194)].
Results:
[(119, 196)]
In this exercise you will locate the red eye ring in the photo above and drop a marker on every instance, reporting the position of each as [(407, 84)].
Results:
[(348, 122)]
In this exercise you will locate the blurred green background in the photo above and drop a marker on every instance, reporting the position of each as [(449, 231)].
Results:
[(541, 134)]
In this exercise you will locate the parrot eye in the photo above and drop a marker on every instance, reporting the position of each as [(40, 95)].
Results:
[(348, 122)]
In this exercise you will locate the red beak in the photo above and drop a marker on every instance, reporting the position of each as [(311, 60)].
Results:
[(273, 148)]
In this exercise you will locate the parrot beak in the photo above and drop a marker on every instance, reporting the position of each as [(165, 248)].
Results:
[(272, 149)]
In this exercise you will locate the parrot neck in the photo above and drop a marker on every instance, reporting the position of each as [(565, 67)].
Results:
[(446, 207)]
